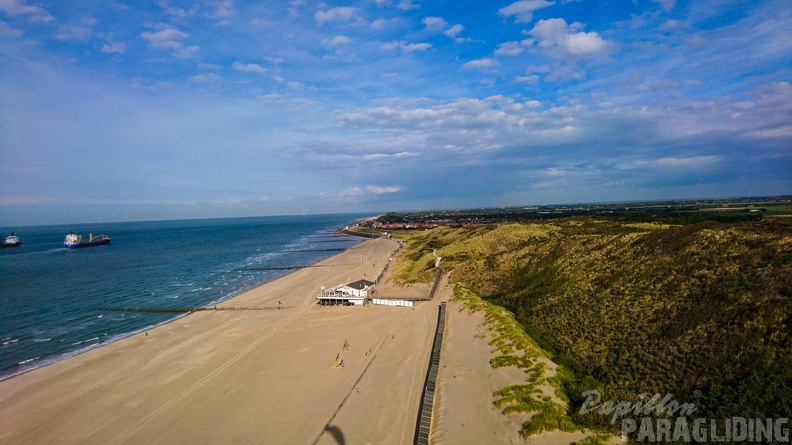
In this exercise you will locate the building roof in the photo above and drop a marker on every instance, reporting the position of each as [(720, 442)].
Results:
[(361, 284)]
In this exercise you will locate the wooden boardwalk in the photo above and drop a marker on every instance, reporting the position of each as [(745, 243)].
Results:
[(424, 423)]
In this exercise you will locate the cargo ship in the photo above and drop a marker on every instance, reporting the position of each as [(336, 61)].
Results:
[(11, 241), (74, 241)]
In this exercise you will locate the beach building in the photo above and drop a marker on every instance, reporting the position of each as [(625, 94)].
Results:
[(355, 293)]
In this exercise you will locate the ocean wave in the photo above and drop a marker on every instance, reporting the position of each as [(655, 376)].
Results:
[(85, 341), (23, 362), (10, 341), (41, 340)]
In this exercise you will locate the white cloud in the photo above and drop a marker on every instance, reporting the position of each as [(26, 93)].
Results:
[(336, 41), (351, 193), (75, 33), (369, 190), (555, 172), (454, 31), (533, 78), (509, 49), (7, 30), (406, 5), (249, 68), (205, 77), (541, 69), (229, 202), (667, 5), (480, 64), (377, 190), (405, 47), (384, 23), (562, 39), (671, 24), (340, 14), (583, 43), (379, 156), (223, 11), (34, 14), (522, 10), (186, 52), (165, 37), (114, 48), (686, 162), (434, 23), (290, 101), (413, 47), (179, 12)]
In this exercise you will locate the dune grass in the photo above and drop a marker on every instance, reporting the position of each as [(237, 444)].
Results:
[(512, 346)]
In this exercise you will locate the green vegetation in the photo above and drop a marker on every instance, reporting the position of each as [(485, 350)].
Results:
[(627, 306), (391, 217), (513, 347), (598, 439)]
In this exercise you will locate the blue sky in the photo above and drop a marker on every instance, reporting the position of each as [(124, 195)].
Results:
[(121, 110)]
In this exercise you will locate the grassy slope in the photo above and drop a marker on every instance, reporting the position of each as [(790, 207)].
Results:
[(634, 308)]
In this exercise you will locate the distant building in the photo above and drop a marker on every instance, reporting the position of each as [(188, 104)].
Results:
[(355, 293)]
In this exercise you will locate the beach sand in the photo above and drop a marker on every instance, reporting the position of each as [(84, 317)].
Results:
[(464, 410), (242, 377)]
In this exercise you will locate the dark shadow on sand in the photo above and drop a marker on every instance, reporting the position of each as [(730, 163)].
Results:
[(337, 434)]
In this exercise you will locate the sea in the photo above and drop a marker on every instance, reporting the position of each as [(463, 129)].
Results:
[(54, 301)]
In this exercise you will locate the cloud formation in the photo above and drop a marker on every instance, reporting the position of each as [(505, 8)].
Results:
[(522, 10), (390, 104), (339, 14), (31, 13), (564, 40), (249, 68)]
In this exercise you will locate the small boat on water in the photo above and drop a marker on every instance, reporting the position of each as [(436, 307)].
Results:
[(75, 241), (11, 241)]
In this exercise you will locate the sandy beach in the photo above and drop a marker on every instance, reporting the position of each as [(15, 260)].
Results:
[(260, 376), (465, 411)]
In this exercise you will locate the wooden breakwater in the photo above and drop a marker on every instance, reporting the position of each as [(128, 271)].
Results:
[(362, 234), (179, 310), (339, 249), (286, 267), (424, 423)]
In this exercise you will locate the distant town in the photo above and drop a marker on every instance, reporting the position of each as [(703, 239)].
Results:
[(668, 211)]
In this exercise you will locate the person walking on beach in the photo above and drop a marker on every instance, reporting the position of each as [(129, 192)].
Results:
[(346, 345)]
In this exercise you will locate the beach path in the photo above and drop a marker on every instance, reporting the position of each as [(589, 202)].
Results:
[(263, 376)]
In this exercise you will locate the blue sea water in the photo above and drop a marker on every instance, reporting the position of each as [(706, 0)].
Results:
[(50, 296)]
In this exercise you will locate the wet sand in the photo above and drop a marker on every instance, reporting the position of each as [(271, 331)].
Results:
[(241, 376)]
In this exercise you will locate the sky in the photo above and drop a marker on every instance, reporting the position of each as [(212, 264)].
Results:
[(120, 110)]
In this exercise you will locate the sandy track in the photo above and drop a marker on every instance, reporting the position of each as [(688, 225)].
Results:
[(465, 411), (241, 376)]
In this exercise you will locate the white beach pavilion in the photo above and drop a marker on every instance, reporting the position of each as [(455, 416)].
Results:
[(355, 293)]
